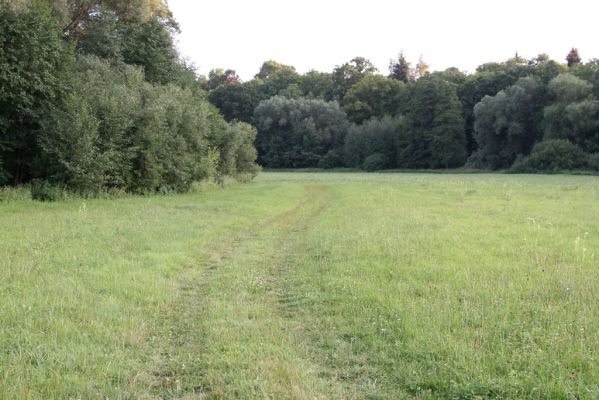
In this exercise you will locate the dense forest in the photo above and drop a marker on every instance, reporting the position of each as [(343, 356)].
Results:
[(522, 115), (94, 96)]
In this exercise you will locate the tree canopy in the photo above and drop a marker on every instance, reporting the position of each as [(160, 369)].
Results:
[(297, 133), (94, 97), (424, 119)]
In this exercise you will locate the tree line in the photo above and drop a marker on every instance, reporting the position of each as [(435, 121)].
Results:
[(522, 115), (94, 97)]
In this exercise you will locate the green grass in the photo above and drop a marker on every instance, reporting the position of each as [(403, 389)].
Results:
[(304, 286)]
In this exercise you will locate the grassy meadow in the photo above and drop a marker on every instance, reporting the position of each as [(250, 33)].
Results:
[(307, 286)]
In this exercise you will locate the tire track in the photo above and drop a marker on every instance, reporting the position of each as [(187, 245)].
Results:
[(179, 366)]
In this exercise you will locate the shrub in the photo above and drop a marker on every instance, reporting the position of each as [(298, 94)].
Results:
[(245, 177), (594, 162), (238, 154), (332, 159), (3, 174), (374, 162), (114, 131), (552, 156), (45, 191)]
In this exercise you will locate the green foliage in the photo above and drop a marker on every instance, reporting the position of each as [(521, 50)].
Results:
[(588, 71), (236, 101), (92, 135), (93, 96), (117, 131), (593, 162), (347, 75), (297, 133), (12, 194), (422, 69), (507, 125), (275, 78), (451, 75), (333, 159), (491, 78), (150, 45), (317, 85), (271, 69), (74, 142), (172, 139), (376, 136), (104, 104), (74, 16), (31, 60), (239, 154), (573, 58), (292, 91), (373, 96), (374, 162), (567, 88), (483, 83), (546, 70), (574, 112), (42, 190), (434, 136), (217, 77), (516, 66), (553, 156), (102, 37), (3, 174), (401, 69)]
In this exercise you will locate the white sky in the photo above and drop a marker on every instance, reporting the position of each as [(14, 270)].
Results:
[(320, 34)]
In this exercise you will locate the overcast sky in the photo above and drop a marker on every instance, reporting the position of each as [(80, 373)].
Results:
[(320, 34)]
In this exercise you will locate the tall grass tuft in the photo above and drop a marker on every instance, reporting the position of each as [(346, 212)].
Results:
[(10, 194)]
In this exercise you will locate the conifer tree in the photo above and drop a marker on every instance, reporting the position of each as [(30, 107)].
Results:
[(573, 57), (401, 69)]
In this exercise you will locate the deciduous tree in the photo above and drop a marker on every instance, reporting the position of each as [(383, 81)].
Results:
[(347, 75), (374, 96), (294, 133), (32, 58), (573, 113), (508, 124)]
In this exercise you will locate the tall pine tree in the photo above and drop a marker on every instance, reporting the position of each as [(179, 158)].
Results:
[(401, 69)]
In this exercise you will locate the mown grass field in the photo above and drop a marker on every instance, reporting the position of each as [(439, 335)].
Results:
[(307, 286)]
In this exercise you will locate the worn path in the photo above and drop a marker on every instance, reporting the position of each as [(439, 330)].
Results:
[(233, 324)]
